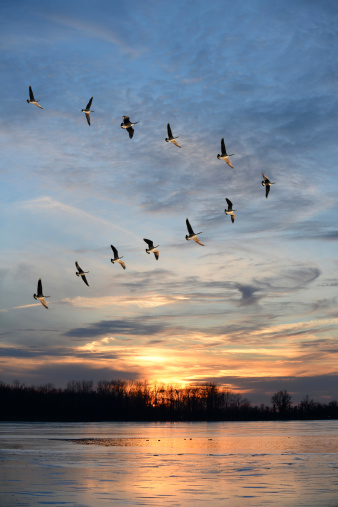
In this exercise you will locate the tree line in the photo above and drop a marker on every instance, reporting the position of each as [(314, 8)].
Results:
[(124, 400)]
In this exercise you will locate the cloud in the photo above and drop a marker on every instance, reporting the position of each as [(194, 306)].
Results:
[(147, 301), (132, 327)]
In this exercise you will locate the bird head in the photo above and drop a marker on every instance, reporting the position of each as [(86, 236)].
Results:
[(187, 237), (35, 296), (218, 156), (77, 274)]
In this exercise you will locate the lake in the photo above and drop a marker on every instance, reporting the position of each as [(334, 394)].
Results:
[(289, 463)]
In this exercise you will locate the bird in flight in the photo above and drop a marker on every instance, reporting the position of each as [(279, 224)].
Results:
[(152, 248), (230, 211), (32, 99), (192, 235), (117, 258), (267, 183), (81, 273), (170, 137), (128, 125), (87, 110), (224, 155), (39, 296)]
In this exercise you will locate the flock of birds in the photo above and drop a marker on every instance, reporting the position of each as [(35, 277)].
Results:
[(128, 126)]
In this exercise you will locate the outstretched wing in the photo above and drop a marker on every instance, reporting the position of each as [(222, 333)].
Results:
[(223, 150), (156, 253), (39, 287), (189, 227), (149, 242), (31, 94), (115, 251), (130, 130), (170, 134), (85, 279), (88, 118), (43, 302), (123, 264), (89, 103), (176, 143), (265, 178), (78, 267), (232, 218), (125, 119), (228, 162), (267, 190), (229, 204), (197, 240)]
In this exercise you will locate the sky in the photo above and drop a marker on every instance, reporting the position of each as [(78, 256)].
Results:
[(255, 309)]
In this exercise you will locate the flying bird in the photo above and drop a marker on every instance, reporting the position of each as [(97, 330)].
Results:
[(87, 110), (32, 100), (230, 211), (128, 125), (152, 248), (192, 235), (170, 137), (81, 273), (224, 155), (40, 295), (117, 258), (267, 183)]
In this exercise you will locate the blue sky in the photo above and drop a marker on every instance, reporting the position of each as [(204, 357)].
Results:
[(256, 308)]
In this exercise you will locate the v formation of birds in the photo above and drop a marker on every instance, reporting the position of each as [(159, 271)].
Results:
[(128, 126)]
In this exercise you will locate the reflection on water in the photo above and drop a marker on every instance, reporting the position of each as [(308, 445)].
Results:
[(169, 464)]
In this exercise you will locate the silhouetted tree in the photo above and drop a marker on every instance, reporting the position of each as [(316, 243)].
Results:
[(281, 401)]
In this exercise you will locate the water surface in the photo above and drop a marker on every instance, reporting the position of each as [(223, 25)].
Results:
[(169, 464)]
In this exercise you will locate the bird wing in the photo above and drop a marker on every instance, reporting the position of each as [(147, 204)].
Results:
[(78, 267), (43, 302), (31, 94), (89, 103), (223, 150), (175, 142), (115, 251), (229, 204), (85, 279), (39, 287), (125, 119), (130, 130), (265, 178), (170, 134), (149, 242), (267, 190), (123, 264), (197, 240), (233, 219), (228, 162), (156, 253), (88, 118), (38, 105), (189, 227)]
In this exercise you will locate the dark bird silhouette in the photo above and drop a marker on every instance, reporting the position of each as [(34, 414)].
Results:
[(128, 125), (170, 137), (87, 110), (224, 155), (230, 211), (152, 248), (117, 258), (32, 100), (81, 273), (39, 296), (192, 235), (267, 183)]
